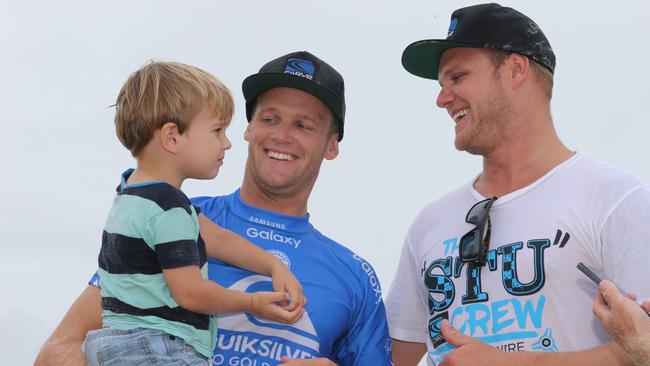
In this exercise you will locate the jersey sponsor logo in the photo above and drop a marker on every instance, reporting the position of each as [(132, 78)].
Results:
[(268, 223), (281, 256), (372, 277), (243, 339), (273, 236)]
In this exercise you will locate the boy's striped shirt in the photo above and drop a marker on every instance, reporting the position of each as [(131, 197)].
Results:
[(152, 226)]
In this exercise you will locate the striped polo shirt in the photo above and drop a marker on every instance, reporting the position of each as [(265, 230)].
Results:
[(152, 226)]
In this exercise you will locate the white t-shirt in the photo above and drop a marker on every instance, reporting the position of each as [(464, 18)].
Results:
[(529, 296)]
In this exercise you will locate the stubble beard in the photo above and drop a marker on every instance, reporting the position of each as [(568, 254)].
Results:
[(489, 126)]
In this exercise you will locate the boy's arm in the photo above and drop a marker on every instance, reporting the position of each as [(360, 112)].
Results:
[(63, 347), (200, 295), (231, 248)]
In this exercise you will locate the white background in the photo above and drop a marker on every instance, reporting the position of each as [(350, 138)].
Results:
[(63, 63)]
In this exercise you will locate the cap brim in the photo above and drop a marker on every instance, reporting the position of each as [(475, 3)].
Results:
[(422, 58), (257, 84)]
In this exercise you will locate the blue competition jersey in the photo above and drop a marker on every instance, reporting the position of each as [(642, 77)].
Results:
[(345, 319)]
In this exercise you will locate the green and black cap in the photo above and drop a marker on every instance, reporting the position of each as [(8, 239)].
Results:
[(299, 70), (481, 26)]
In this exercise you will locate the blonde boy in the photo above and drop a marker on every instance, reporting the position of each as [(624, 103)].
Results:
[(157, 301)]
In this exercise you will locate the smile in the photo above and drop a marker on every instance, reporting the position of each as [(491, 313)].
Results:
[(460, 114), (279, 156)]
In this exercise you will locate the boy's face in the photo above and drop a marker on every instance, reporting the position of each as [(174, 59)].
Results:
[(203, 146)]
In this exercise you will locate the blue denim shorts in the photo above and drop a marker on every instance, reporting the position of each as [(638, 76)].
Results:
[(139, 346)]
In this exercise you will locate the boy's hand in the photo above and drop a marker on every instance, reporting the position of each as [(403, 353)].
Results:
[(267, 305), (285, 281)]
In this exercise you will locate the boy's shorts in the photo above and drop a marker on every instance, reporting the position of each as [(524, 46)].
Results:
[(112, 346)]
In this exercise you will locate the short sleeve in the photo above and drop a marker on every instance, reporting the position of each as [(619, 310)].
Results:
[(366, 341), (406, 309), (94, 280), (626, 244), (173, 235)]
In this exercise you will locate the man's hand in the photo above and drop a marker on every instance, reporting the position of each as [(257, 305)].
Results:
[(285, 281), (309, 362), (625, 321), (469, 351)]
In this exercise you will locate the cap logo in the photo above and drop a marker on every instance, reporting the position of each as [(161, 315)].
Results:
[(452, 27), (300, 67)]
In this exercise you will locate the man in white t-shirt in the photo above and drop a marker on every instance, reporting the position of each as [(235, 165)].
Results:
[(487, 274)]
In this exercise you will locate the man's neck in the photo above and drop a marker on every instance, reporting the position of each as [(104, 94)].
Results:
[(291, 204), (520, 161)]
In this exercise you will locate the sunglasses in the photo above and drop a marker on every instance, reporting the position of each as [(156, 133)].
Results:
[(475, 243)]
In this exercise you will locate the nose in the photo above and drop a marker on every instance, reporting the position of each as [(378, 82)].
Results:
[(281, 133), (227, 144), (445, 96)]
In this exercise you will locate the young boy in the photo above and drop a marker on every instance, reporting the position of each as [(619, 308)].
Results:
[(156, 297)]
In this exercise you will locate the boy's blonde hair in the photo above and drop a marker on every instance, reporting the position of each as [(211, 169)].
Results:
[(162, 92)]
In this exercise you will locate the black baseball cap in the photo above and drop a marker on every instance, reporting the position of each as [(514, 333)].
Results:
[(299, 70), (481, 26)]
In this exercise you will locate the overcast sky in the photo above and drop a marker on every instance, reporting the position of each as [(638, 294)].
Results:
[(63, 63)]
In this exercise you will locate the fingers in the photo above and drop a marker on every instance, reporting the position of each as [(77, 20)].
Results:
[(276, 297), (281, 315), (600, 308), (646, 306), (609, 291), (295, 295), (268, 307), (452, 335)]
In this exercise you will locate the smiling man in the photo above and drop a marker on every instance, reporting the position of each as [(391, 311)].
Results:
[(488, 272), (296, 108)]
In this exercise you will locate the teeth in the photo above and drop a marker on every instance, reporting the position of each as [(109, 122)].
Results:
[(460, 114), (279, 156)]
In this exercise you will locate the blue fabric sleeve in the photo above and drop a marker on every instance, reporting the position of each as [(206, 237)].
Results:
[(94, 280), (367, 341)]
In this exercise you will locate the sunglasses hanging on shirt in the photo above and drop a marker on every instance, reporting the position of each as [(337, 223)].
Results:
[(475, 243)]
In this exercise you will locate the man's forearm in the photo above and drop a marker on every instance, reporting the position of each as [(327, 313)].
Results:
[(63, 347), (60, 352), (470, 351), (609, 354)]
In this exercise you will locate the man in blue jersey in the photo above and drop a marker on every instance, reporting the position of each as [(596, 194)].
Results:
[(296, 108)]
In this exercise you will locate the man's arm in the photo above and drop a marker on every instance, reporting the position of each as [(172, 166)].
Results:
[(407, 353), (471, 351), (63, 347)]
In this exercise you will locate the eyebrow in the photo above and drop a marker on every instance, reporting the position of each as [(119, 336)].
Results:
[(301, 116), (269, 109), (221, 122)]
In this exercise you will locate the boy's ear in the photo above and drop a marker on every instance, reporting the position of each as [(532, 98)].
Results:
[(169, 137)]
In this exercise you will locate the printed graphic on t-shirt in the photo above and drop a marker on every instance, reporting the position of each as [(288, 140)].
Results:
[(512, 323)]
